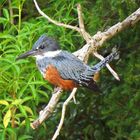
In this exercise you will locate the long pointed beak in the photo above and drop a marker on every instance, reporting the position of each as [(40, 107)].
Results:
[(26, 54)]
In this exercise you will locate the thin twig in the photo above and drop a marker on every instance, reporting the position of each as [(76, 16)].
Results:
[(63, 113), (84, 34), (54, 21), (11, 12)]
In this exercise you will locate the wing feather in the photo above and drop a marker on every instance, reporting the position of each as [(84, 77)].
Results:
[(69, 66)]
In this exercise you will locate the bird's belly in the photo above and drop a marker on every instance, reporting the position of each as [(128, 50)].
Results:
[(53, 76)]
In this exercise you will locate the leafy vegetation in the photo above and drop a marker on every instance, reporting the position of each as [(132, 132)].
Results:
[(23, 92)]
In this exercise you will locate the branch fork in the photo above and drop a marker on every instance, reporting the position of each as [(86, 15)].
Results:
[(91, 46)]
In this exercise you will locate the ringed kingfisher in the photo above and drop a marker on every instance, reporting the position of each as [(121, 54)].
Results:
[(61, 68)]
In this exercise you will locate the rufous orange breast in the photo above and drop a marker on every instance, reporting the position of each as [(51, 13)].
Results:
[(53, 76)]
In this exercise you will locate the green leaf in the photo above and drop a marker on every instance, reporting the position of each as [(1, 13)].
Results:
[(2, 1), (6, 13), (33, 90), (28, 109), (7, 118), (25, 137), (17, 102), (22, 110), (27, 98), (12, 133), (2, 135), (3, 20), (4, 102)]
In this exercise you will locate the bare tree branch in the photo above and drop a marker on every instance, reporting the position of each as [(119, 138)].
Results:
[(45, 113), (63, 113), (84, 34), (88, 38), (99, 38), (92, 44), (55, 22)]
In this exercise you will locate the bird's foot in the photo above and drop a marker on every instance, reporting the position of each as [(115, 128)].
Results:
[(56, 89)]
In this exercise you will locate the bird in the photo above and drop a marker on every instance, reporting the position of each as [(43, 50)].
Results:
[(61, 68)]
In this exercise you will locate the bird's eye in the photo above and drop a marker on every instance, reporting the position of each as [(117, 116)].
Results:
[(42, 47)]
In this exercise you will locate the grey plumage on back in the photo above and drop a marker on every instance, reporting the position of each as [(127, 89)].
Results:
[(72, 68), (88, 74), (68, 65)]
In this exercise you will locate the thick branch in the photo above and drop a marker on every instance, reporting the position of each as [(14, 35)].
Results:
[(45, 113), (88, 37), (99, 38), (92, 44)]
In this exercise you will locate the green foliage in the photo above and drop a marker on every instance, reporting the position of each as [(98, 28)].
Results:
[(23, 92)]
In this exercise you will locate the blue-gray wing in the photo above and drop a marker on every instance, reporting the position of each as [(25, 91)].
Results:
[(69, 66)]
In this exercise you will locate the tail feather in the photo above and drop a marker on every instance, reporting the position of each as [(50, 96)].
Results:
[(86, 78), (92, 70), (93, 86)]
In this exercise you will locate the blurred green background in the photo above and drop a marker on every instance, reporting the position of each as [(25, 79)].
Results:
[(23, 92)]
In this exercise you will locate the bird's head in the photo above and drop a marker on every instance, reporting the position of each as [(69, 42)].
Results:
[(43, 45)]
